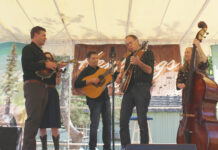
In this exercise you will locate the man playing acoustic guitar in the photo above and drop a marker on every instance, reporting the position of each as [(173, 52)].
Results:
[(97, 106), (138, 90)]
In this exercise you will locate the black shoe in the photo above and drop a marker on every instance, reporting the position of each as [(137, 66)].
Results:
[(44, 142), (56, 142)]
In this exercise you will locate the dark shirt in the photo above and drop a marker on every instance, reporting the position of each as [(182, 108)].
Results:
[(79, 83), (52, 80), (138, 75), (31, 57), (183, 74), (182, 77)]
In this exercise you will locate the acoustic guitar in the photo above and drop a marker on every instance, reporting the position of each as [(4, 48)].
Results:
[(95, 90), (105, 77)]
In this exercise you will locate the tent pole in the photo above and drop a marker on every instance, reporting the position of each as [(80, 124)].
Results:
[(162, 19), (191, 26), (24, 12), (70, 93), (195, 20), (96, 23), (63, 21), (9, 31), (128, 17)]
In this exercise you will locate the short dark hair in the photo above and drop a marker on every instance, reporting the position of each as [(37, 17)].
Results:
[(132, 36), (36, 29), (91, 53)]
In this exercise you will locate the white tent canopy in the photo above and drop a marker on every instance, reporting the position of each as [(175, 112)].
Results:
[(107, 21), (70, 22)]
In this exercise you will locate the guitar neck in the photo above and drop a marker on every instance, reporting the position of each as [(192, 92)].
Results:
[(69, 61), (109, 71), (114, 66), (130, 66)]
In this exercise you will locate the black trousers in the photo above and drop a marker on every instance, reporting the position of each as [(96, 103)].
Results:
[(97, 108), (36, 96), (139, 96)]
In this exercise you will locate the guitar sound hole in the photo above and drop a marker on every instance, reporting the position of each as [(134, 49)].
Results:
[(101, 82), (101, 77)]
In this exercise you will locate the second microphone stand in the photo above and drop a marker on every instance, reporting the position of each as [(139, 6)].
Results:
[(113, 94)]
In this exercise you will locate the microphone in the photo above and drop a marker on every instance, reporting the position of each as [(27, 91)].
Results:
[(63, 69), (112, 58), (112, 53)]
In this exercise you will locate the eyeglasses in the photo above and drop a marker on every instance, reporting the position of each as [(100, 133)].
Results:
[(130, 43)]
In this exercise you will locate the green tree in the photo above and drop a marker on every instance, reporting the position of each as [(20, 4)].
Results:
[(9, 85)]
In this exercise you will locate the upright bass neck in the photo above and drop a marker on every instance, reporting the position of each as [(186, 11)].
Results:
[(199, 37)]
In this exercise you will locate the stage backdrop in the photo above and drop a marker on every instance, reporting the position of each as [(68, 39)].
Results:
[(167, 63)]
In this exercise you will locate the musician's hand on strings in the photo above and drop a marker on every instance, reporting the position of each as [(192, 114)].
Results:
[(95, 80), (197, 43), (134, 60), (62, 64), (50, 65), (92, 81), (181, 85)]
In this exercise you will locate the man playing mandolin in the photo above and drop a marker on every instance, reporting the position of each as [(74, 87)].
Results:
[(97, 106), (35, 89), (138, 90)]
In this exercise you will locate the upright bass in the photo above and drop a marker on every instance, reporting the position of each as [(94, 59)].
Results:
[(199, 124)]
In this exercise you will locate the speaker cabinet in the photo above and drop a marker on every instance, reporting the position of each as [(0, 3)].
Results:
[(161, 147), (10, 138)]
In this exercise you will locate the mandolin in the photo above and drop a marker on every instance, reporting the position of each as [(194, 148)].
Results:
[(128, 72), (47, 73)]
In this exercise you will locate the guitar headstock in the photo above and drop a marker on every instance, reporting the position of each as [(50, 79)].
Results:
[(73, 61), (145, 44)]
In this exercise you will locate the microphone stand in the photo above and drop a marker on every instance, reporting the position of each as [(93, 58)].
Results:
[(113, 91)]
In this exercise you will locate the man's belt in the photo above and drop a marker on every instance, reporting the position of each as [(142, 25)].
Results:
[(34, 81), (39, 82), (51, 86)]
